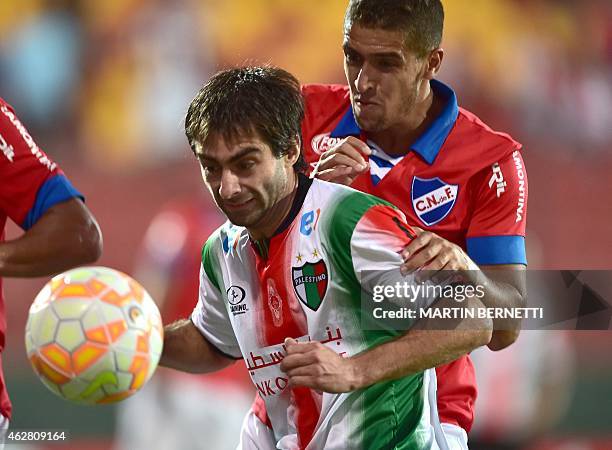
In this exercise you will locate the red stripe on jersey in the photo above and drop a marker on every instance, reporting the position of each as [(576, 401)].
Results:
[(308, 411), (386, 219), (283, 317), (282, 314)]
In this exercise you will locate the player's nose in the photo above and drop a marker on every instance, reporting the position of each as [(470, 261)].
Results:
[(230, 185), (364, 81)]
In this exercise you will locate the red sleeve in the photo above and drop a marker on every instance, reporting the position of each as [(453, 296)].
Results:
[(23, 166), (496, 233)]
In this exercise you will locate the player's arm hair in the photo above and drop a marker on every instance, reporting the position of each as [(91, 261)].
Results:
[(427, 344), (66, 235), (506, 287), (187, 350)]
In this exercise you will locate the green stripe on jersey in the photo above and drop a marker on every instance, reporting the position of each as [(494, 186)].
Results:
[(209, 260), (340, 224), (392, 410)]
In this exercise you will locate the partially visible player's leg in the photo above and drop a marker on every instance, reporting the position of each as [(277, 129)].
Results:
[(255, 435), (4, 424), (447, 436), (456, 437)]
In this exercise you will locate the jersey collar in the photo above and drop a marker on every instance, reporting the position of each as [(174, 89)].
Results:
[(303, 186), (429, 143)]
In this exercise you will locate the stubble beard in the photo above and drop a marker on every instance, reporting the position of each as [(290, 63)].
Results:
[(262, 211), (386, 121)]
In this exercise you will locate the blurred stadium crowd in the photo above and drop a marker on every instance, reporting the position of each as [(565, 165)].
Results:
[(115, 76), (103, 87)]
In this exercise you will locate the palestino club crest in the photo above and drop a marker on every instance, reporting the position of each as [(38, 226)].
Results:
[(310, 283), (432, 199)]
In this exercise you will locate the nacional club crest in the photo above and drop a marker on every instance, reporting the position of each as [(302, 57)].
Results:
[(310, 283), (432, 199)]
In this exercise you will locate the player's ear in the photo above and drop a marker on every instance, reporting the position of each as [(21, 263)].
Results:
[(434, 62), (293, 152)]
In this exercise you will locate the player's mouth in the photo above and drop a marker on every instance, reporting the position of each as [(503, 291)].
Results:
[(366, 104), (237, 206)]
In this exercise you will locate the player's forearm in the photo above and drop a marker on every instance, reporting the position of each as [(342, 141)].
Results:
[(417, 351), (185, 349), (428, 344), (66, 236), (505, 287), (505, 331)]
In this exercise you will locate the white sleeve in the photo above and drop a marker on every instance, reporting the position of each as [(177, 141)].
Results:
[(210, 316), (376, 243)]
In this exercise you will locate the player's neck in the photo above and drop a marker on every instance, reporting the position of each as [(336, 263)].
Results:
[(398, 139)]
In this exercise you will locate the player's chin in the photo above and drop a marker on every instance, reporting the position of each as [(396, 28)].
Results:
[(238, 220), (242, 218), (370, 122)]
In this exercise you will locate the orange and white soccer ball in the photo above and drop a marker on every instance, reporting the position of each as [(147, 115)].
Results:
[(94, 335)]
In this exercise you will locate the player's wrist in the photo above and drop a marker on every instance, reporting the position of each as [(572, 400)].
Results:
[(357, 373)]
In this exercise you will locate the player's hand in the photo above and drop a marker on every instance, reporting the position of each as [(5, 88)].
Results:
[(312, 365), (430, 252), (344, 162)]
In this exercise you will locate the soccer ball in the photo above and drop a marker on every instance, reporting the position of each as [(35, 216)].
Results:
[(94, 335)]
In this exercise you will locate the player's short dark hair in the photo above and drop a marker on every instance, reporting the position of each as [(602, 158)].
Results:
[(421, 20), (266, 100)]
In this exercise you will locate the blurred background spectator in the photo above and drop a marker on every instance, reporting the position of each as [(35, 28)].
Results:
[(179, 409), (523, 391), (103, 86)]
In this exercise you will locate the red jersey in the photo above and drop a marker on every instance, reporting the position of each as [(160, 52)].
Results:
[(460, 179), (30, 183)]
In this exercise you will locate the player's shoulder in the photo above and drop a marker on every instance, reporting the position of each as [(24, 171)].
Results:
[(6, 105), (479, 145), (224, 240), (334, 193), (475, 129), (325, 98), (350, 217), (7, 112), (341, 205), (325, 91)]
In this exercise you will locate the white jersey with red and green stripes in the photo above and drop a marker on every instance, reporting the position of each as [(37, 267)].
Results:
[(305, 285)]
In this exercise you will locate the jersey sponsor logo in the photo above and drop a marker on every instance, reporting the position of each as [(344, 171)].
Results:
[(308, 222), (520, 173), (323, 142), (497, 179), (432, 199), (230, 240), (310, 282), (38, 154), (235, 297), (7, 149)]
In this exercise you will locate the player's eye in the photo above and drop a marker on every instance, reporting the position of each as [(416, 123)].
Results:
[(352, 58), (246, 165), (210, 170), (387, 64)]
